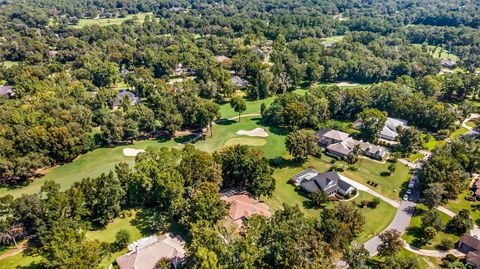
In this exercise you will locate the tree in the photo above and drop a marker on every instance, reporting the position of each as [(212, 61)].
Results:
[(247, 168), (431, 218), (318, 198), (461, 223), (301, 143), (410, 139), (239, 105), (433, 195), (122, 238), (391, 168), (356, 256), (391, 243), (373, 121), (429, 233)]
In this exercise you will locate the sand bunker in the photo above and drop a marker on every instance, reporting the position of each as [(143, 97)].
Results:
[(346, 84), (260, 132), (249, 141), (132, 152)]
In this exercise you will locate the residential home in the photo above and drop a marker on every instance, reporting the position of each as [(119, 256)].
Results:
[(146, 252), (330, 182), (328, 136), (124, 93), (239, 82), (471, 246), (448, 63), (344, 148), (389, 131), (6, 90), (243, 205)]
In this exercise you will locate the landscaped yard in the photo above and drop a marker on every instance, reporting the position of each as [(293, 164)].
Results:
[(424, 262), (461, 203), (460, 131), (430, 145), (414, 234), (414, 157), (113, 21), (20, 260)]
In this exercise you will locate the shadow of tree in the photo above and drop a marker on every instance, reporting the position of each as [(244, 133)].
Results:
[(225, 122), (281, 162), (150, 220)]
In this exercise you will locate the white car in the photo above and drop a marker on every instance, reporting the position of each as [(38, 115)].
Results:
[(405, 197), (409, 191)]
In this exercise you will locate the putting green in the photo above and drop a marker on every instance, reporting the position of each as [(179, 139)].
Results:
[(249, 141)]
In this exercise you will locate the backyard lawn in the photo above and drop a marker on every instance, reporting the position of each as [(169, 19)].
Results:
[(460, 131), (414, 234), (461, 203), (424, 262), (112, 21)]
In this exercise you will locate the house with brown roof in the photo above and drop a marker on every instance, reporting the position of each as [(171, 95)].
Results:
[(146, 252), (470, 245), (243, 205)]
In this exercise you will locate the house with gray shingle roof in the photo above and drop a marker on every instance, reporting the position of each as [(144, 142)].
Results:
[(124, 93), (330, 182), (6, 90)]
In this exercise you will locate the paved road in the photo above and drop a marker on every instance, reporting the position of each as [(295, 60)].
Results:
[(400, 222)]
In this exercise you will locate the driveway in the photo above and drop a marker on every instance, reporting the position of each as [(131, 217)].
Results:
[(366, 189)]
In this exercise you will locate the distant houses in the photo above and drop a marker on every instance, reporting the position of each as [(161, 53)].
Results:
[(448, 63), (146, 252), (330, 182), (341, 145), (239, 82), (123, 93)]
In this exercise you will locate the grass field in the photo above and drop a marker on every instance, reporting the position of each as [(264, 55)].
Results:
[(461, 203), (91, 164), (439, 53), (8, 64), (414, 234), (460, 131), (114, 21), (332, 39), (249, 141), (424, 262), (20, 260), (414, 157)]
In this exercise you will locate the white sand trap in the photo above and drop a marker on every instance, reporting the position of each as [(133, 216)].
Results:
[(132, 152), (260, 132), (346, 84)]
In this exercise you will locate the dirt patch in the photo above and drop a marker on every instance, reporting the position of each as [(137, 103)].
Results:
[(132, 152), (346, 84), (259, 132)]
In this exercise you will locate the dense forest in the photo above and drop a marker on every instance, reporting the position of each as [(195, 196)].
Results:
[(170, 66)]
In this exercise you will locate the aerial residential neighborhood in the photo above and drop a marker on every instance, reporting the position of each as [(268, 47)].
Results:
[(150, 134)]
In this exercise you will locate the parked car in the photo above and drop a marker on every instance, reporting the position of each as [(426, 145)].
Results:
[(405, 197), (409, 191)]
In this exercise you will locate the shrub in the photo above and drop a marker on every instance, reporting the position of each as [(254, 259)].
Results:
[(363, 203), (451, 258), (318, 152), (353, 168), (122, 238), (446, 244), (374, 202)]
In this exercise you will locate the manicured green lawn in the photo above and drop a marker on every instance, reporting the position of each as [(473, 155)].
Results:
[(253, 107), (377, 219), (369, 170), (8, 64), (435, 52), (108, 235), (414, 234), (114, 21), (414, 157), (333, 39), (433, 143), (471, 124), (461, 203), (91, 164), (424, 262), (285, 193), (460, 131), (225, 131), (20, 260)]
